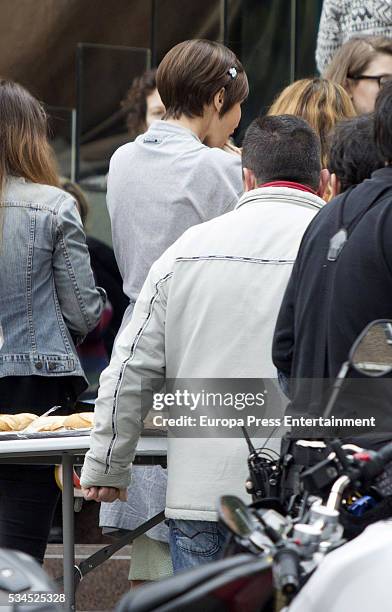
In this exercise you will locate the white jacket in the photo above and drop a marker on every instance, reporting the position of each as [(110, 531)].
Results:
[(207, 310), (353, 577)]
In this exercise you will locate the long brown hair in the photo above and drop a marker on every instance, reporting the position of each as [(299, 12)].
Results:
[(320, 102), (24, 147), (352, 59)]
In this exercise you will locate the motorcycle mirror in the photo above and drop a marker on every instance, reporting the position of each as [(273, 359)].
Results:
[(371, 353), (236, 516)]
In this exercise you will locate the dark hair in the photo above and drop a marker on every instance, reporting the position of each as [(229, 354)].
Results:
[(353, 155), (77, 192), (383, 122), (135, 103), (282, 147), (192, 72)]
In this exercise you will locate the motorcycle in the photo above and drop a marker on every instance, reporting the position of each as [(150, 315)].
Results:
[(287, 556), (24, 586)]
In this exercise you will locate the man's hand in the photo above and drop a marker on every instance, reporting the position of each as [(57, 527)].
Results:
[(104, 494)]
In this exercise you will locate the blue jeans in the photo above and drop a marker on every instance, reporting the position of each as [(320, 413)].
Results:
[(195, 542)]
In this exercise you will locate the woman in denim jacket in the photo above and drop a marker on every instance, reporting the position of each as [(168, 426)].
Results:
[(48, 301)]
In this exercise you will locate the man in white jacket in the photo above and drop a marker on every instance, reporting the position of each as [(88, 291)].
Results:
[(206, 311)]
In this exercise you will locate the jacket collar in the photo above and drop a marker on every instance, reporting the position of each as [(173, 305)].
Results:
[(279, 195), (290, 184), (384, 174), (165, 128), (18, 179)]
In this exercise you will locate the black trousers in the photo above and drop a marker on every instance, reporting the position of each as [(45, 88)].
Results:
[(29, 493), (28, 498)]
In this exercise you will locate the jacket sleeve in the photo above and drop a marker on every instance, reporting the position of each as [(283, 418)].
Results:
[(283, 341), (138, 357), (81, 302), (329, 38)]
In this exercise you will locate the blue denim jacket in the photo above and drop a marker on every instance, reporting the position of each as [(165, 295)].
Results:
[(47, 289)]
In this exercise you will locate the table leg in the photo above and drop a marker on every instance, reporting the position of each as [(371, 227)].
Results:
[(68, 532)]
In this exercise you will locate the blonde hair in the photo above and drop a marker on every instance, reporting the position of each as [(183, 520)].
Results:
[(355, 56), (320, 102)]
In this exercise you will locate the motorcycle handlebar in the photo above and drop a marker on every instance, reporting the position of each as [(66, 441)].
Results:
[(377, 463), (286, 571), (385, 454)]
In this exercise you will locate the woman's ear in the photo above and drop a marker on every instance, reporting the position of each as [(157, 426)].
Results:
[(348, 86), (219, 99)]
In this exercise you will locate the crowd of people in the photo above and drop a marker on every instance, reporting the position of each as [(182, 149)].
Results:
[(224, 256)]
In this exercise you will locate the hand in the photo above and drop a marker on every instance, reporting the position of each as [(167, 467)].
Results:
[(104, 494), (229, 147)]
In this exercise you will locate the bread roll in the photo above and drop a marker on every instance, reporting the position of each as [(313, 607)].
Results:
[(16, 422), (48, 423), (79, 420), (7, 422)]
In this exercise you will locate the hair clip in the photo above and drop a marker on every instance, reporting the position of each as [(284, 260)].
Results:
[(232, 72)]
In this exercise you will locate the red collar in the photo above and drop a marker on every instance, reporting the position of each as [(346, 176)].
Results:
[(290, 184)]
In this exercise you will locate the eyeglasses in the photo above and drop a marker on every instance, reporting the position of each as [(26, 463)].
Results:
[(381, 79)]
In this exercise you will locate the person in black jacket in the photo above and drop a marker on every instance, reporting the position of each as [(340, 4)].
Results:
[(352, 155), (338, 286)]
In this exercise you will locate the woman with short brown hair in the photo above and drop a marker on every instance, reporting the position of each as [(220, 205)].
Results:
[(160, 185), (194, 72)]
